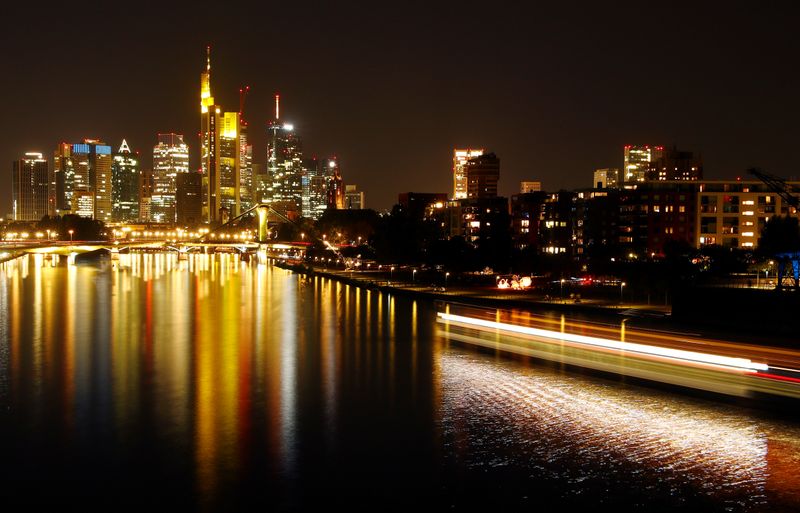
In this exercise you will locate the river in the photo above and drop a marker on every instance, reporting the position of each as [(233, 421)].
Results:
[(211, 383)]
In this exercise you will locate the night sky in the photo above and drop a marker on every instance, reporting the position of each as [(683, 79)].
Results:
[(392, 87)]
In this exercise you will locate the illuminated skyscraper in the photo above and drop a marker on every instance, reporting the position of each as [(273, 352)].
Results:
[(91, 183), (220, 153), (460, 157), (30, 188), (247, 183), (126, 180), (64, 178), (284, 166), (637, 162), (170, 158)]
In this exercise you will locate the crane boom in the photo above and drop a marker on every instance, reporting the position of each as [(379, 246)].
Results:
[(778, 185)]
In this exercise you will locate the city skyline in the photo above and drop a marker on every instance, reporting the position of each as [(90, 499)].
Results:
[(529, 103)]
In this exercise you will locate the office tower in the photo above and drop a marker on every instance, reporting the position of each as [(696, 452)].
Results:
[(674, 165), (526, 187), (261, 183), (460, 158), (220, 153), (247, 182), (606, 178), (284, 165), (170, 158), (353, 198), (637, 161), (228, 187), (91, 182), (334, 183), (30, 188), (126, 180), (189, 201), (483, 173), (64, 177)]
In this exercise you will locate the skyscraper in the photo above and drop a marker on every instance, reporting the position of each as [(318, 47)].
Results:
[(126, 180), (460, 157), (189, 200), (334, 185), (284, 165), (247, 183), (64, 178), (91, 183), (637, 161), (483, 173), (30, 188), (170, 158), (220, 153)]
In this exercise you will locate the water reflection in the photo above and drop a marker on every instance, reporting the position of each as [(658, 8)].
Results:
[(223, 384)]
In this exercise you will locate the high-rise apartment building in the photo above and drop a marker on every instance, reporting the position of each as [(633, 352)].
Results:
[(606, 178), (91, 182), (30, 188), (637, 161), (460, 158), (170, 158), (483, 173), (126, 177)]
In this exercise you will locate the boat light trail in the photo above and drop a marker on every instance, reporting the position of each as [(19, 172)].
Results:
[(738, 364)]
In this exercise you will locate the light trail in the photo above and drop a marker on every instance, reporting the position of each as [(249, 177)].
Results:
[(725, 362)]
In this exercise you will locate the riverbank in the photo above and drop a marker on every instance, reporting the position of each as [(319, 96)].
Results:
[(644, 316)]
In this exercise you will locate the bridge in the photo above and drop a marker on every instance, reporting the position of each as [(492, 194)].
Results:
[(215, 239)]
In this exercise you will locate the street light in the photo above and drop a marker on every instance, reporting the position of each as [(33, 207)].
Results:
[(622, 284), (413, 275), (391, 273), (562, 290), (70, 235), (445, 279)]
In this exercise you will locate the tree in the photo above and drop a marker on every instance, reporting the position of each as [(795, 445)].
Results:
[(781, 234)]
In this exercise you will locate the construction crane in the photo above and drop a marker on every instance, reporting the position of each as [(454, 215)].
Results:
[(788, 261), (778, 185)]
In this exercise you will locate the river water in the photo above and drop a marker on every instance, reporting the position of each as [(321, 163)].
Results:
[(212, 384)]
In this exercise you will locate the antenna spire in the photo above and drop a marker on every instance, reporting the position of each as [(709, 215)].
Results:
[(277, 107), (208, 58)]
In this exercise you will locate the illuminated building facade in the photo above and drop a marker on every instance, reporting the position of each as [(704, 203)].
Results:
[(30, 188), (606, 178), (483, 173), (228, 186), (126, 180), (91, 183), (733, 213), (170, 158), (146, 196), (284, 166), (637, 162), (529, 186), (460, 158)]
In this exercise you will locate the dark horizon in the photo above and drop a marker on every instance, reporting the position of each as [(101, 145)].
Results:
[(554, 93)]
